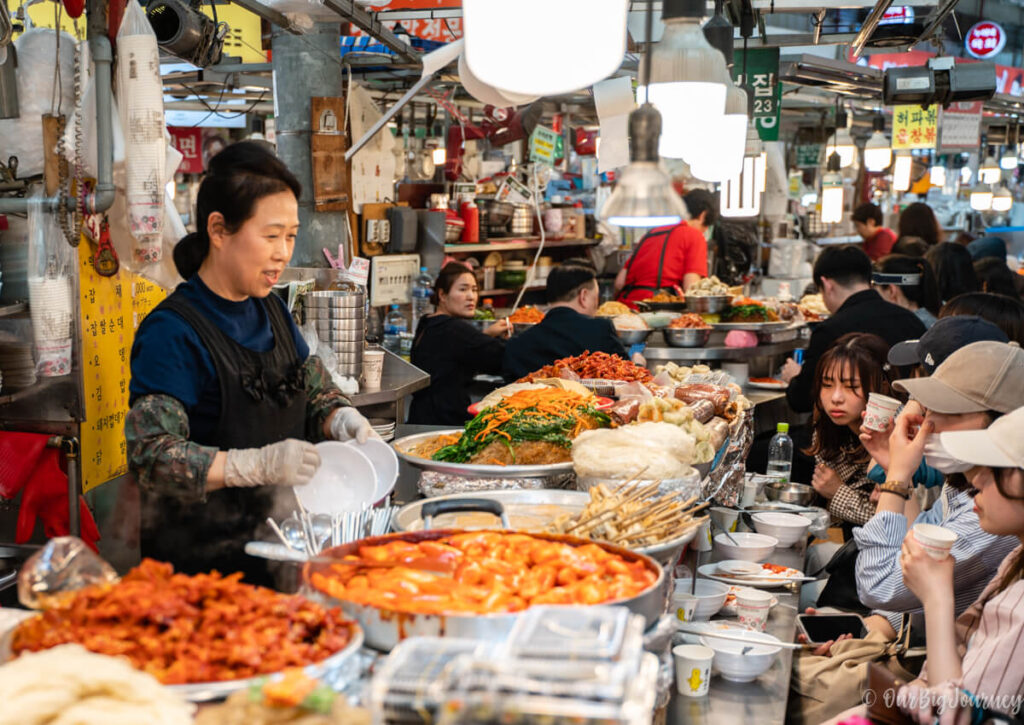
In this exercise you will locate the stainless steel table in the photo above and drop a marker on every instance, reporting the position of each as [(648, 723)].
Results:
[(762, 701)]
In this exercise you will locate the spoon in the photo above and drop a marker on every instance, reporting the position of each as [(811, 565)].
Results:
[(321, 524), (294, 532)]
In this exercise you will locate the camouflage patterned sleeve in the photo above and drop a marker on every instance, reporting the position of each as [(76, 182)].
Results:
[(160, 455), (322, 397)]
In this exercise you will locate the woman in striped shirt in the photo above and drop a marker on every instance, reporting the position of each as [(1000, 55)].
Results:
[(975, 665)]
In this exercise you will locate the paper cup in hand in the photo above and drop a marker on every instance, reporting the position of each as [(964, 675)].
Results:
[(373, 368), (935, 540), (693, 669), (752, 607), (880, 412)]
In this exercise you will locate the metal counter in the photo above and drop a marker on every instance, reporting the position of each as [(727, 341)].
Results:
[(739, 354), (762, 701), (398, 380)]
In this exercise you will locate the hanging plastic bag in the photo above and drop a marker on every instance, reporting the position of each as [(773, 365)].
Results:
[(141, 101), (65, 565), (51, 265)]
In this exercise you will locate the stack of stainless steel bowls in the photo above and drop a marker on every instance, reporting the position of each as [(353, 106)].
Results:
[(339, 318), (522, 219)]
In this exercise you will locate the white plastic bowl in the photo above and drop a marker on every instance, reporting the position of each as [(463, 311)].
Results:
[(710, 595), (737, 667), (787, 528), (345, 481), (748, 547)]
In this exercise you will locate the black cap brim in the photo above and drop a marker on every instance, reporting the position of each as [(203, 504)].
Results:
[(905, 353)]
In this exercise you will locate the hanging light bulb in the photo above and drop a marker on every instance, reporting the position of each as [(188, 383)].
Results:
[(981, 197), (965, 174), (439, 155), (643, 195), (686, 81), (989, 171), (937, 174), (721, 156), (1002, 199), (740, 196), (832, 192), (901, 171), (877, 152), (841, 142)]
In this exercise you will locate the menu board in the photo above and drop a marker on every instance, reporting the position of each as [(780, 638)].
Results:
[(914, 127), (111, 308)]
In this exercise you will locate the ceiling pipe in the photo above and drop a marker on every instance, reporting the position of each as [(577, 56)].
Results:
[(868, 27)]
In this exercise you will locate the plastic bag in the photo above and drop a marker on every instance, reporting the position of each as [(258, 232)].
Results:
[(141, 100), (66, 564), (51, 266)]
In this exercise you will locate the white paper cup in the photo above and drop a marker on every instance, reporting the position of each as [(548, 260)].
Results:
[(373, 368), (880, 412), (752, 607), (936, 540), (726, 519), (702, 541), (693, 669), (751, 490), (684, 604)]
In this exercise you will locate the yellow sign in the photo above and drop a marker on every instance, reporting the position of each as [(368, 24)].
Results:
[(914, 127), (44, 15), (112, 308)]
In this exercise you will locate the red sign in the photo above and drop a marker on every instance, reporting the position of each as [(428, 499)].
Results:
[(898, 15), (909, 59), (189, 142), (985, 39)]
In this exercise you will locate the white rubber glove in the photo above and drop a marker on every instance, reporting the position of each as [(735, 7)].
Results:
[(348, 424), (289, 463)]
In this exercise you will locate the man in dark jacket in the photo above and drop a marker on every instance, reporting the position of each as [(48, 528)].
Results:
[(843, 275), (569, 328)]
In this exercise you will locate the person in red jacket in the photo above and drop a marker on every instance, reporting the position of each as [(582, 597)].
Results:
[(878, 240), (669, 256)]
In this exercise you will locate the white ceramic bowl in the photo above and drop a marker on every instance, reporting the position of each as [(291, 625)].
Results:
[(710, 595), (787, 528), (737, 667), (748, 547)]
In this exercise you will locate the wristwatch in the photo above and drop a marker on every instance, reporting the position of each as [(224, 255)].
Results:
[(897, 487)]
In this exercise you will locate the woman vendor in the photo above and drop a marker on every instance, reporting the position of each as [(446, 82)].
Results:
[(225, 397), (452, 350)]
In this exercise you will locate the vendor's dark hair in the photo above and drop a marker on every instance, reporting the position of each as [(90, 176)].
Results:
[(846, 265), (867, 211), (449, 274), (911, 247), (925, 294), (566, 278), (918, 220), (866, 355), (954, 270), (1004, 312), (238, 177), (995, 276), (702, 200)]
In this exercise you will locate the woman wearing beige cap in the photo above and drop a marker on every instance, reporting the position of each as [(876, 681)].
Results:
[(974, 666), (991, 671)]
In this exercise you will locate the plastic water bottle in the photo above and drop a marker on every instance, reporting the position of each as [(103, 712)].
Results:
[(394, 326), (422, 287), (780, 454)]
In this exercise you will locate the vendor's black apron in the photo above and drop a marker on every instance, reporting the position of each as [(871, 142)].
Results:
[(624, 292), (262, 401)]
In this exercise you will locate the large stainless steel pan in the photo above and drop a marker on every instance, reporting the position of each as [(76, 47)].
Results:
[(384, 628), (403, 445)]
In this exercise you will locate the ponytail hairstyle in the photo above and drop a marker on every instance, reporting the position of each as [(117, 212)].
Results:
[(237, 178), (924, 293)]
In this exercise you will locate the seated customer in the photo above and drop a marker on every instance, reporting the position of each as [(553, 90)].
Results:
[(847, 373), (909, 283), (569, 328), (878, 239), (843, 274), (995, 276), (1004, 312), (975, 385), (974, 661)]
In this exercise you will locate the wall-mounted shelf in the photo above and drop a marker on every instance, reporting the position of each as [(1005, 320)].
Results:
[(513, 245)]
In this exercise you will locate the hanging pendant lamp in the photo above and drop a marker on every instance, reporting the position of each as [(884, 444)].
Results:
[(832, 192), (877, 150)]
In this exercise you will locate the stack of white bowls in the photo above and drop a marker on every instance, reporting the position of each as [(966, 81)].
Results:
[(339, 319)]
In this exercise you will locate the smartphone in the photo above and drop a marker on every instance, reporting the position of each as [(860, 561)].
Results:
[(820, 628)]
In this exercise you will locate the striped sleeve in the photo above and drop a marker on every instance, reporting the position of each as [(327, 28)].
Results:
[(879, 578)]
